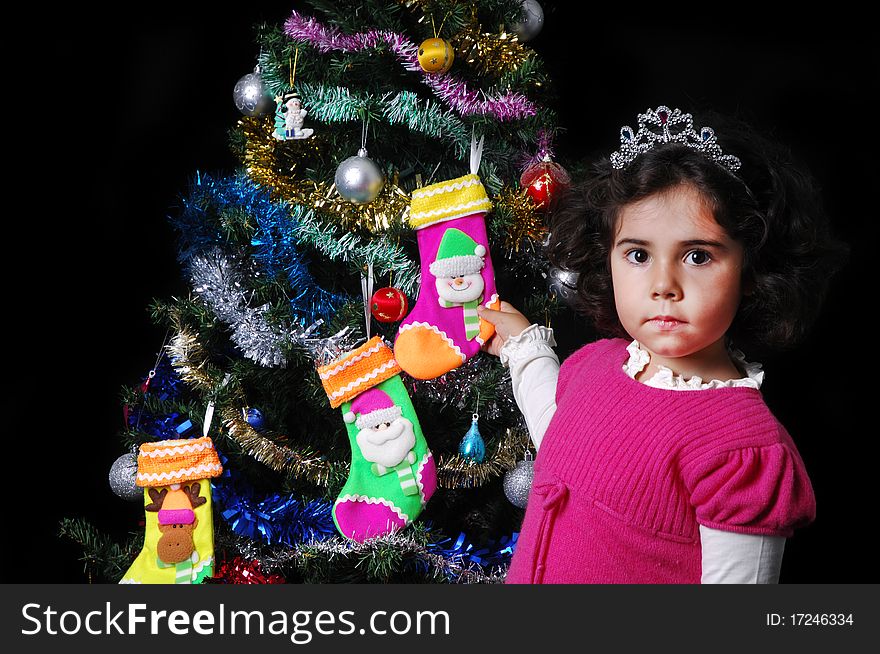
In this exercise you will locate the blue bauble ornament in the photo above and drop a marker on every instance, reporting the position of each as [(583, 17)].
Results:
[(472, 446), (255, 419)]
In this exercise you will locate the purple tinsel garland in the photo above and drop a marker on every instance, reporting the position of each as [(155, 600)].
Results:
[(509, 106)]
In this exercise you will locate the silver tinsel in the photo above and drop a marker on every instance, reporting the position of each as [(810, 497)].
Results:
[(530, 22), (518, 482), (454, 568), (218, 279), (358, 179), (123, 474)]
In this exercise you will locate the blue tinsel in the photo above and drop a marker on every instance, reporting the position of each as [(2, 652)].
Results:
[(276, 248), (274, 519), (490, 555), (165, 385)]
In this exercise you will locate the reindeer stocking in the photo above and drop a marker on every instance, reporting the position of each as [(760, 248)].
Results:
[(392, 472), (179, 536), (443, 330)]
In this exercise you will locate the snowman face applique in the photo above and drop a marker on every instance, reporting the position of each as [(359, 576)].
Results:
[(460, 289)]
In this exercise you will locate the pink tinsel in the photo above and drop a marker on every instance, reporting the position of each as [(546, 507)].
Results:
[(508, 106), (545, 148)]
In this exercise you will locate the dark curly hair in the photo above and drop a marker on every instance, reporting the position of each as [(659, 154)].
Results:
[(769, 205)]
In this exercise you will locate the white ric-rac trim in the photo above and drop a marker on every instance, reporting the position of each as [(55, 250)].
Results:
[(350, 362), (446, 188), (391, 363), (439, 333)]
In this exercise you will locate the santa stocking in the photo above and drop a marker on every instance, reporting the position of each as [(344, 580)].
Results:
[(179, 532), (443, 330), (392, 472)]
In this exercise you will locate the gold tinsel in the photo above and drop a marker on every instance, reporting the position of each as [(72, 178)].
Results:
[(190, 361), (527, 222), (455, 471), (487, 53), (302, 465), (277, 166)]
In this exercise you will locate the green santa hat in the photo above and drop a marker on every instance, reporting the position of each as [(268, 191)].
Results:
[(458, 255)]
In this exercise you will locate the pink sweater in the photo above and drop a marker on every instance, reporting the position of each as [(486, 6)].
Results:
[(626, 473)]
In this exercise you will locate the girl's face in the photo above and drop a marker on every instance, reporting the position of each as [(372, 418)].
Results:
[(677, 279)]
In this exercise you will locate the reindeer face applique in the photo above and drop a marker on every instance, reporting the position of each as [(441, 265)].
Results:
[(179, 530), (177, 520)]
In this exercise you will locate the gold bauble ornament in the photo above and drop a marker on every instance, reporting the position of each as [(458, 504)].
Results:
[(436, 55)]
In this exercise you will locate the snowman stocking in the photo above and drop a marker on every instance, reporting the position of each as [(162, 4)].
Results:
[(443, 330), (392, 472), (179, 532)]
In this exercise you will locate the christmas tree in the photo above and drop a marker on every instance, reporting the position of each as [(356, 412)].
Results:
[(396, 172)]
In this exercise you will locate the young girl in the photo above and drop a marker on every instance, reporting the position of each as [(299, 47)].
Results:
[(658, 460)]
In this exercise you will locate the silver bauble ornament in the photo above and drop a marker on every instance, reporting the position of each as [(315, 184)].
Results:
[(563, 283), (123, 474), (531, 20), (250, 94), (518, 482), (358, 179)]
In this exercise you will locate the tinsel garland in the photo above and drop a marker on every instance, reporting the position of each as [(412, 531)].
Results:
[(218, 279), (339, 104), (338, 244), (545, 149), (164, 385), (241, 571), (456, 561), (190, 360), (265, 157), (490, 54), (524, 222), (456, 471), (302, 464), (275, 519), (466, 101), (214, 207)]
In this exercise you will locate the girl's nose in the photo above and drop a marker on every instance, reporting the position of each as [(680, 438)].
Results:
[(665, 285)]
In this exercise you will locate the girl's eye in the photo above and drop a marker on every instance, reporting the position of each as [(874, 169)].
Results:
[(698, 257), (637, 256)]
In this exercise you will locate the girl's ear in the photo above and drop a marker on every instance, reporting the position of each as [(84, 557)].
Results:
[(748, 285)]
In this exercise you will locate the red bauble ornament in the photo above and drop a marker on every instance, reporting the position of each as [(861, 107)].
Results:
[(544, 182), (388, 304)]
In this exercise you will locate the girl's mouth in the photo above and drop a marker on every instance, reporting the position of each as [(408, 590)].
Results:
[(665, 323)]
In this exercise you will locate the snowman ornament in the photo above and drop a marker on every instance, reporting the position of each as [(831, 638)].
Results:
[(294, 116)]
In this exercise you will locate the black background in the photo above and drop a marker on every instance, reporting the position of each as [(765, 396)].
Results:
[(127, 104)]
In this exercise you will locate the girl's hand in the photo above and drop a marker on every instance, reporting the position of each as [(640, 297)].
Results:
[(508, 323)]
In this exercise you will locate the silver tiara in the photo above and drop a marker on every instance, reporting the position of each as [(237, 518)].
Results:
[(665, 125)]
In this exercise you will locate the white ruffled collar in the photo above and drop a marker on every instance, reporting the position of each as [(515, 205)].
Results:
[(665, 378)]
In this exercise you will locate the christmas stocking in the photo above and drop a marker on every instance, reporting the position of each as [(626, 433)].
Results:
[(443, 330), (179, 537), (392, 470)]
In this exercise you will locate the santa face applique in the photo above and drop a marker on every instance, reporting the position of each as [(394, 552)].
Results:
[(387, 443)]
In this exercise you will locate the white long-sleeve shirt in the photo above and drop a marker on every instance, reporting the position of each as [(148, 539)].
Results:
[(727, 557)]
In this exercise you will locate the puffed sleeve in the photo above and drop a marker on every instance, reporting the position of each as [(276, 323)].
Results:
[(752, 490)]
